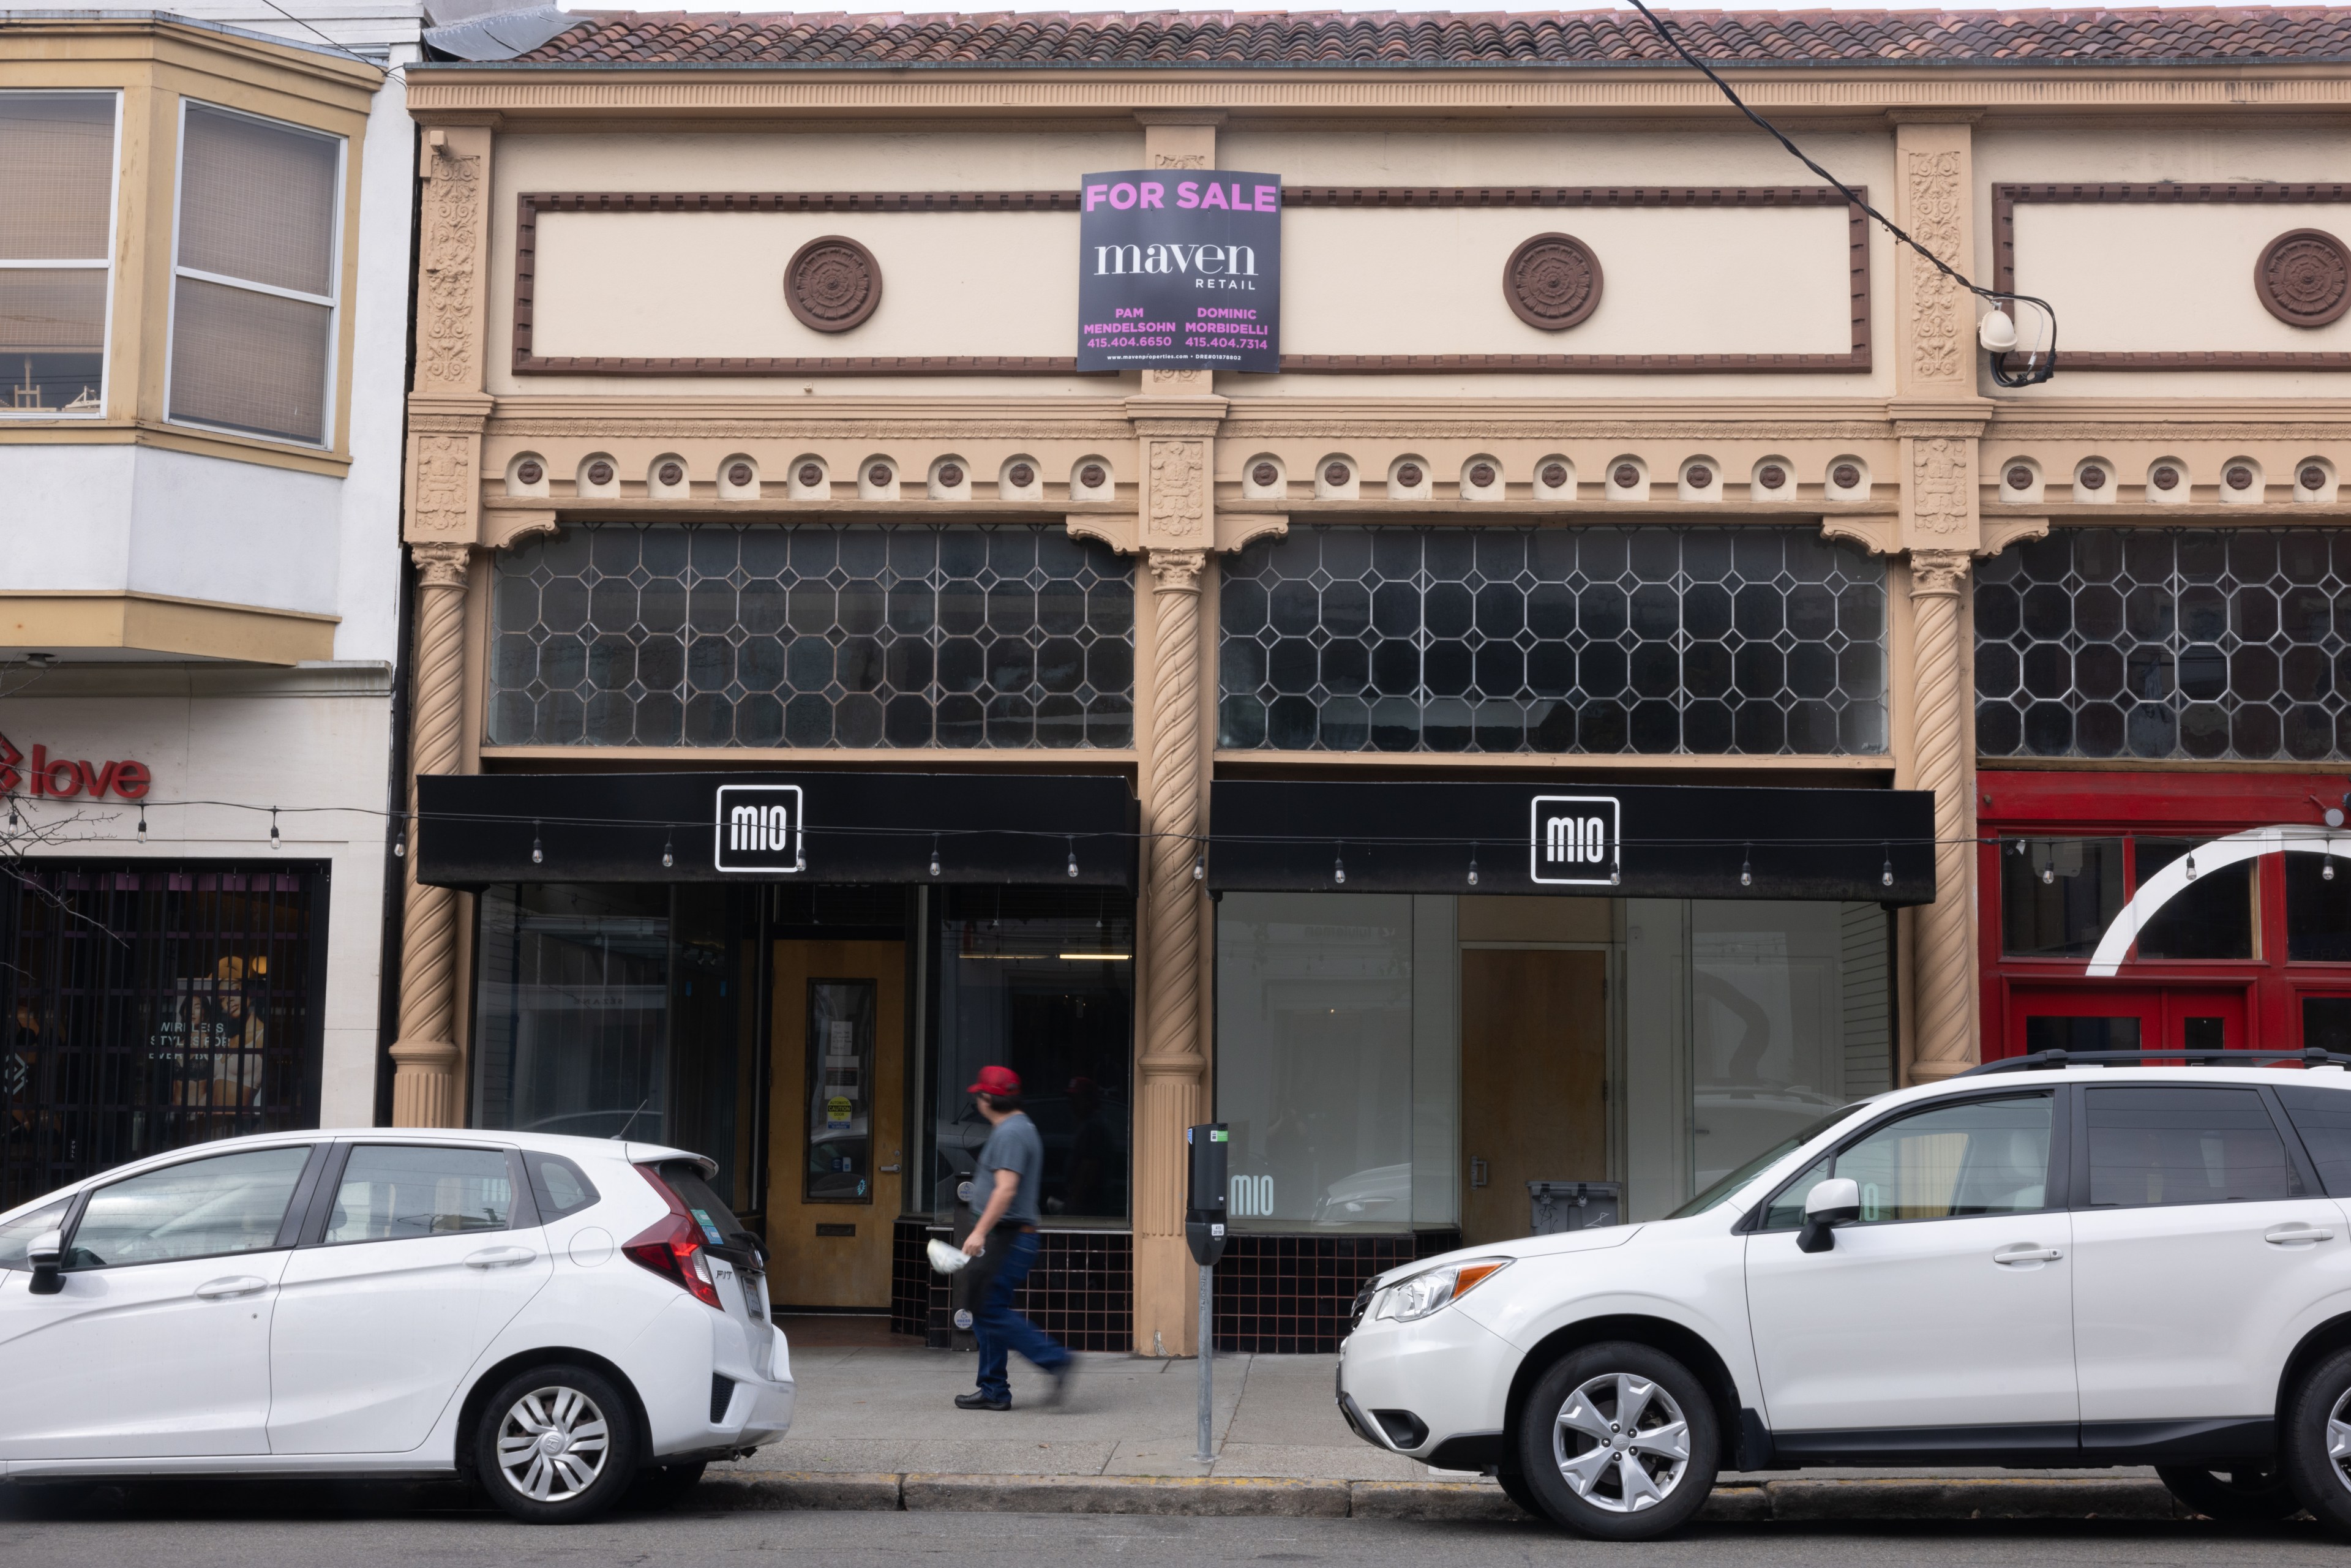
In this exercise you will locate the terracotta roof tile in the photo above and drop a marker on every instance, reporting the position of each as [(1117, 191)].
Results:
[(1276, 38)]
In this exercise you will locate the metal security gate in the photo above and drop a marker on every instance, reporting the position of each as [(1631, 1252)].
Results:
[(146, 1009)]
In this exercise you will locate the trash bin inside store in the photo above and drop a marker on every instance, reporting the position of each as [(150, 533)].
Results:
[(1562, 1205)]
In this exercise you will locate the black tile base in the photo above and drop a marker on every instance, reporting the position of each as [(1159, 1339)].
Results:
[(1290, 1295), (1080, 1290)]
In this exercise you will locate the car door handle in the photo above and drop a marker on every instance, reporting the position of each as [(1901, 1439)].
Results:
[(234, 1285), (499, 1257), (2297, 1235), (2026, 1253)]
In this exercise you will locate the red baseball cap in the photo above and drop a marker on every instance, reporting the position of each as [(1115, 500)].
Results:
[(995, 1080)]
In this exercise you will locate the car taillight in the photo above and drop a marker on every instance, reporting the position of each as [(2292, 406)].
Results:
[(671, 1247)]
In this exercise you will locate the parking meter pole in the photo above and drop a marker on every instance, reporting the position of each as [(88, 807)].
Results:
[(1207, 1453), (1203, 1233)]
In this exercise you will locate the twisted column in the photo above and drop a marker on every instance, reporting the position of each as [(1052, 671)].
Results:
[(1944, 966), (424, 1057), (1174, 1061)]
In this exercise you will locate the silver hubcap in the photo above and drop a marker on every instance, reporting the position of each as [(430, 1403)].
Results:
[(552, 1443), (1621, 1443), (2338, 1440)]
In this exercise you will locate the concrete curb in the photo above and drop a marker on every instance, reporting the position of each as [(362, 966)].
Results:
[(1790, 1502)]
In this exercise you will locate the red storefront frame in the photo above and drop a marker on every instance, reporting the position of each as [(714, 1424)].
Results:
[(2257, 1002)]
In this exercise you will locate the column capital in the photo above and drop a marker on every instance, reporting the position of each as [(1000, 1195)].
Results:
[(1176, 571), (1938, 573), (442, 563)]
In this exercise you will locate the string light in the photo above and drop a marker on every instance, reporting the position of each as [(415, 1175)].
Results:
[(1885, 872), (13, 820), (1473, 865), (537, 852), (1073, 857), (142, 824), (2191, 867), (669, 849), (1199, 864), (275, 842), (935, 854), (1747, 866), (400, 841), (1339, 866)]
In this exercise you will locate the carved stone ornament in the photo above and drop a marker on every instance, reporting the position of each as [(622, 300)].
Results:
[(1940, 482), (1178, 501), (443, 497), (832, 284), (1938, 573), (444, 324), (1551, 282), (2303, 278), (441, 563), (1939, 347)]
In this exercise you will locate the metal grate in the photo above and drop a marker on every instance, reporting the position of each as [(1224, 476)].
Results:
[(2164, 642), (148, 1009), (1004, 636), (1712, 641)]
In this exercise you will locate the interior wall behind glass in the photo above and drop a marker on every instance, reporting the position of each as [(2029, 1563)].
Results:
[(571, 1022), (1042, 980), (1321, 1071), (1767, 1011)]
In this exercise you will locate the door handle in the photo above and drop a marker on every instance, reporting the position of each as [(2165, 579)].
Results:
[(499, 1257), (2297, 1235), (234, 1285), (889, 1170), (2026, 1253)]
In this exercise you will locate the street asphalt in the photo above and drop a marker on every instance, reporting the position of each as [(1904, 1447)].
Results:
[(303, 1525)]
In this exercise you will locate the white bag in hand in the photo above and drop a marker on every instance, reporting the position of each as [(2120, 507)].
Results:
[(947, 1260)]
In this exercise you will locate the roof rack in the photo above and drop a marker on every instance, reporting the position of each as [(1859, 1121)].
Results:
[(2052, 1060)]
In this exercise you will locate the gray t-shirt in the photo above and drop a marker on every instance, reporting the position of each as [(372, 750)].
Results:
[(1015, 1146)]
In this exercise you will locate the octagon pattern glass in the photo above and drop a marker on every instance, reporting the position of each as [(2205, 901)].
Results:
[(815, 636), (2167, 642), (1746, 641)]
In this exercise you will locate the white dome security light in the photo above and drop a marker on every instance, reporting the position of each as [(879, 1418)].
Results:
[(1997, 331)]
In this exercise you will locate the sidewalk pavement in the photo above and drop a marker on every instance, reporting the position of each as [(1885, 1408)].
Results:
[(874, 1427)]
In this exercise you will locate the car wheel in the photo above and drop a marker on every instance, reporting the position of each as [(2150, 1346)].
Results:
[(661, 1487), (1515, 1488), (1619, 1442), (2253, 1494), (556, 1446), (2314, 1450)]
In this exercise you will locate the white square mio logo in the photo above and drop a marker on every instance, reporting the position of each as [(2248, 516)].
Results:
[(760, 828), (1573, 840)]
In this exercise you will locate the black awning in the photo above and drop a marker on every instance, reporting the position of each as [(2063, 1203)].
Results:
[(853, 827), (1593, 840)]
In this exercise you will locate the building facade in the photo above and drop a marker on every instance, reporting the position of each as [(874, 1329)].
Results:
[(1571, 717), (203, 318)]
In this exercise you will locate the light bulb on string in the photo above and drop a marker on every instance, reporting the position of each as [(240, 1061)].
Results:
[(1199, 864), (275, 842), (1747, 866), (935, 854), (14, 820), (1073, 857), (142, 824), (1885, 871), (537, 851), (399, 840), (1339, 866), (669, 849), (2191, 867), (1473, 865)]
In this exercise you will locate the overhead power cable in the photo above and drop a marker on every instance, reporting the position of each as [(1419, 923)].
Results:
[(2040, 361)]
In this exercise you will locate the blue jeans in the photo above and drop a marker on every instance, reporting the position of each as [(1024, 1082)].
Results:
[(1001, 1331)]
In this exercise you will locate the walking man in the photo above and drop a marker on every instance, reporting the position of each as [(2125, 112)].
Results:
[(1004, 1240)]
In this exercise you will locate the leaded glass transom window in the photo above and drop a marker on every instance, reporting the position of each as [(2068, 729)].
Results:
[(2195, 642), (1012, 636), (1750, 641)]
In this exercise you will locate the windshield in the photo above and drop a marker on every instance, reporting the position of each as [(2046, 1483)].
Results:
[(1722, 1191)]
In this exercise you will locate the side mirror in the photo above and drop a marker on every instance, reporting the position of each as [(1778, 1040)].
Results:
[(47, 1254), (1837, 1201)]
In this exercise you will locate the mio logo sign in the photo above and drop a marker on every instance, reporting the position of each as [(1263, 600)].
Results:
[(1574, 840), (760, 828)]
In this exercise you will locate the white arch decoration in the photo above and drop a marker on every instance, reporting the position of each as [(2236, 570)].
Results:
[(2172, 880)]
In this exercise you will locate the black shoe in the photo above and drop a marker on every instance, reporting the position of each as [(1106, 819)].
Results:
[(976, 1400), (1062, 1376)]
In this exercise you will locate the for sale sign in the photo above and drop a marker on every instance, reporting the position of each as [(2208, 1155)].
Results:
[(1180, 269)]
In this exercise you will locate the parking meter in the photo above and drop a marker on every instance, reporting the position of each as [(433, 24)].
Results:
[(1204, 1211)]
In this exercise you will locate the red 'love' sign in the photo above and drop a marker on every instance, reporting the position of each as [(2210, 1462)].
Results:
[(63, 778)]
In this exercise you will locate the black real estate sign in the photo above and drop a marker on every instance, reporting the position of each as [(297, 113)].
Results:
[(1180, 269)]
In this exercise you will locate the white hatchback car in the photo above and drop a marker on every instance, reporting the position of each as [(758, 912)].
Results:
[(2033, 1265), (563, 1319)]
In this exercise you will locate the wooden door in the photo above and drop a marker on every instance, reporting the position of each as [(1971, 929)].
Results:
[(836, 1155), (1534, 1064)]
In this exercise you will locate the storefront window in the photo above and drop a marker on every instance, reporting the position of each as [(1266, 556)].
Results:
[(148, 1010), (2159, 642), (1012, 636), (2211, 918), (1790, 1018), (1325, 1063), (2317, 910), (571, 1026), (1041, 980), (1755, 640), (2057, 896)]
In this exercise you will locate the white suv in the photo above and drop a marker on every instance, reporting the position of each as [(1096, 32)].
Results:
[(2035, 1264), (562, 1318)]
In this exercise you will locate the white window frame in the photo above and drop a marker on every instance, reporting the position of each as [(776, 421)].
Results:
[(331, 300), (113, 228)]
